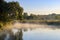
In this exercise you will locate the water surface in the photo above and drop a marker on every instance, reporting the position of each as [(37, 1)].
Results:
[(42, 34), (31, 32)]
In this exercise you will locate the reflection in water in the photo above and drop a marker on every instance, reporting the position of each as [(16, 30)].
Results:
[(7, 37), (31, 32), (42, 34), (11, 36), (19, 35)]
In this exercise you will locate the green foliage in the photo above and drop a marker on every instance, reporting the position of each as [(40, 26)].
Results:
[(52, 16), (25, 15), (32, 16), (57, 17), (10, 11)]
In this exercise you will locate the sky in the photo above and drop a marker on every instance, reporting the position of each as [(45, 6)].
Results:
[(39, 7)]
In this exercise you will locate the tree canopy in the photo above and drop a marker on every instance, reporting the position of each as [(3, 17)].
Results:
[(10, 11)]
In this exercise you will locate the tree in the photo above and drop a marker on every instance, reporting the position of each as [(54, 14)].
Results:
[(32, 16), (15, 10), (57, 17), (20, 11), (3, 10), (25, 15), (10, 10)]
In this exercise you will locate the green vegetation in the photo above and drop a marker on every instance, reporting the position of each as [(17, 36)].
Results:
[(52, 16), (9, 11), (46, 19)]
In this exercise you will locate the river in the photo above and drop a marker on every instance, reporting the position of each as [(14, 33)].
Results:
[(42, 34), (31, 32)]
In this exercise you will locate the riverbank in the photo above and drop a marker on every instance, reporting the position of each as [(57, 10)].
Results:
[(9, 25), (49, 22)]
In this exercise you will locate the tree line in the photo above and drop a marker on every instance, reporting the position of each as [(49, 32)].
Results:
[(52, 16)]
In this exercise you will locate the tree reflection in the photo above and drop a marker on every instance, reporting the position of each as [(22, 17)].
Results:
[(17, 36)]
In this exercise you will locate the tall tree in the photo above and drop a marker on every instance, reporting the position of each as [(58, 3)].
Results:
[(3, 10), (10, 10), (15, 10)]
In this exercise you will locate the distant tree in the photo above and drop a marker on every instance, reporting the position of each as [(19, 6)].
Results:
[(25, 15), (57, 17), (32, 16)]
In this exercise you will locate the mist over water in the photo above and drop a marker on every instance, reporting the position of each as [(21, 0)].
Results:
[(34, 26), (29, 31)]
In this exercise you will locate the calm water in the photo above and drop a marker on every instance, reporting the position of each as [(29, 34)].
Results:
[(33, 32), (42, 34)]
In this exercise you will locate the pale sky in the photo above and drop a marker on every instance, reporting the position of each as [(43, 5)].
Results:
[(40, 6)]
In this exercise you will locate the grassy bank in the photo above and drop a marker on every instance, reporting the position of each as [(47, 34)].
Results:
[(9, 24), (42, 21), (5, 25)]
